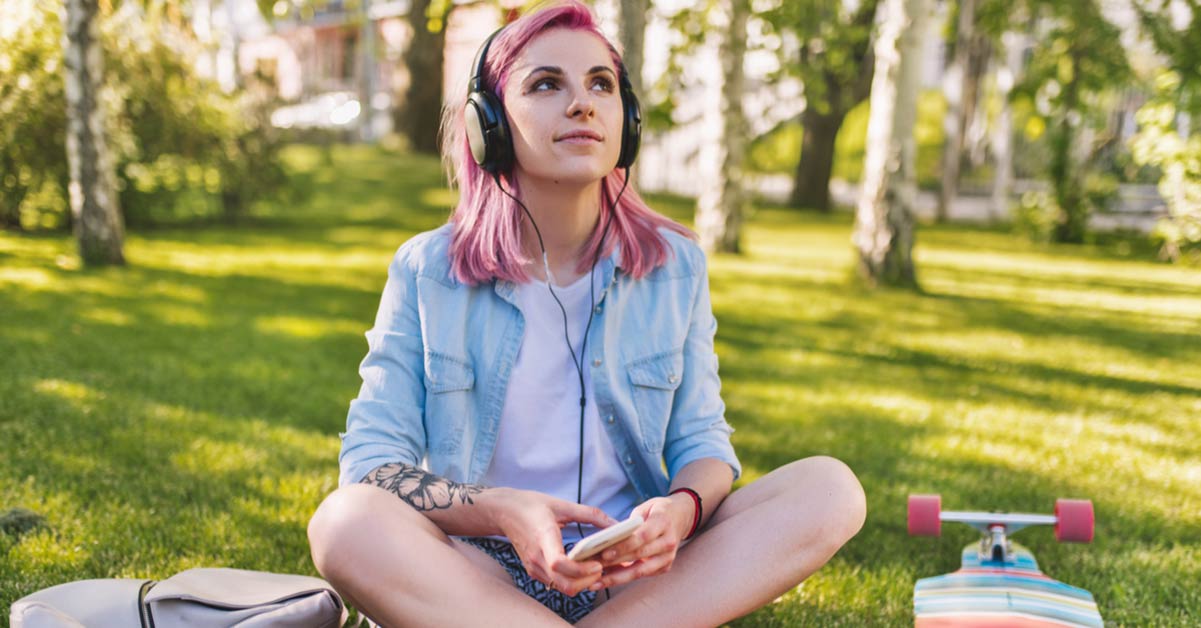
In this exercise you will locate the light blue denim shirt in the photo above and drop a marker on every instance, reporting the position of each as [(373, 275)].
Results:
[(440, 355)]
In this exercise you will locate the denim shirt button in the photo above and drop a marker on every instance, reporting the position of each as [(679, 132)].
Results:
[(596, 362), (609, 418), (672, 378), (629, 459)]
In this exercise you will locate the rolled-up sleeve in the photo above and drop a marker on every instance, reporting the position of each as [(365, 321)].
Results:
[(698, 427), (384, 424)]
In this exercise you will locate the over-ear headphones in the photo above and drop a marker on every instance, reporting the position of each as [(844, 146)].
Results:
[(488, 128)]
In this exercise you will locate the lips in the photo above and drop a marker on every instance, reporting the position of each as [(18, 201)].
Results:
[(582, 134)]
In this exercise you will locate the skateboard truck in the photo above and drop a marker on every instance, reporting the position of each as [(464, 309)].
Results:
[(1073, 521)]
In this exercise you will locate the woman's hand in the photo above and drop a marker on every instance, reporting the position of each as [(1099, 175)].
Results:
[(533, 521), (651, 550)]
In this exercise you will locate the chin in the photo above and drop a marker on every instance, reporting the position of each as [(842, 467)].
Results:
[(583, 175)]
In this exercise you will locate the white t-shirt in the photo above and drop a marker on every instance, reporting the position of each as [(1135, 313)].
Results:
[(538, 444)]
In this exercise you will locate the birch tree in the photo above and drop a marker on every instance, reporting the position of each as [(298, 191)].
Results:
[(95, 210), (957, 82), (884, 224), (1003, 134), (722, 199)]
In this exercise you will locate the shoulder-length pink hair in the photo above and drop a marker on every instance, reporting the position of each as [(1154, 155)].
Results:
[(486, 241)]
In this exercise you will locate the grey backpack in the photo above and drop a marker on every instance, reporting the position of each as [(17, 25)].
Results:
[(197, 598)]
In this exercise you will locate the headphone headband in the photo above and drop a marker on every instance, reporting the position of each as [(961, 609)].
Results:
[(477, 78)]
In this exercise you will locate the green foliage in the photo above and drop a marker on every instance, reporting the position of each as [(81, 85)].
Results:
[(33, 117), (184, 412), (1159, 143), (834, 58), (776, 151), (1076, 63), (183, 149), (1034, 215), (1181, 47)]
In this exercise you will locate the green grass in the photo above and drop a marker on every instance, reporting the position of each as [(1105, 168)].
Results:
[(184, 411)]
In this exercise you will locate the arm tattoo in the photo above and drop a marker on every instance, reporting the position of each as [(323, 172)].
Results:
[(421, 489)]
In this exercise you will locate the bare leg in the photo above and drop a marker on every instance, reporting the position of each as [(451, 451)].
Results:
[(764, 539), (400, 569)]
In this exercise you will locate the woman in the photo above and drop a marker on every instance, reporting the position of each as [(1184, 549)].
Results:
[(541, 367)]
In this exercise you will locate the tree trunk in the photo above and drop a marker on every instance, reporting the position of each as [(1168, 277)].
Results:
[(955, 88), (811, 186), (420, 113), (720, 206), (975, 117), (367, 75), (1002, 141), (93, 188), (883, 232), (1070, 222), (633, 34)]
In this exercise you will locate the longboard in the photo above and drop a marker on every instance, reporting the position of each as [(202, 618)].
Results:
[(999, 582)]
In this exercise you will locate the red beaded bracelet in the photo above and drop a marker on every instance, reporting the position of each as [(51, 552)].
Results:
[(696, 522)]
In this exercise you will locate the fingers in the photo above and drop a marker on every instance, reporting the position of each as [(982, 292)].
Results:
[(575, 568), (636, 546), (571, 577), (551, 567), (661, 545), (615, 576), (568, 512)]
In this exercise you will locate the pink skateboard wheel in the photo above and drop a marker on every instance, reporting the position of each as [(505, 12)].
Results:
[(924, 511), (1074, 520)]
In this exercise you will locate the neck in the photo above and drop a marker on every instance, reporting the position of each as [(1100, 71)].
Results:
[(567, 214)]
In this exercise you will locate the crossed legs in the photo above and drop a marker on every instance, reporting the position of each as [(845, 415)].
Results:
[(393, 563)]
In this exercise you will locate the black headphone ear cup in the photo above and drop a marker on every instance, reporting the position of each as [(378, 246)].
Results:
[(631, 132), (488, 132)]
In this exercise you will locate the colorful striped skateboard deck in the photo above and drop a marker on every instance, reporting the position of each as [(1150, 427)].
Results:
[(1008, 593)]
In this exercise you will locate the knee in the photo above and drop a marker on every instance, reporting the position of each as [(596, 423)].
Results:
[(336, 524), (840, 489), (847, 493)]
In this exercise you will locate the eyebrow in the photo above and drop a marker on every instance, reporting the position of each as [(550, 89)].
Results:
[(558, 71)]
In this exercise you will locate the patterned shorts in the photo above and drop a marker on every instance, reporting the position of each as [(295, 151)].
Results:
[(572, 609)]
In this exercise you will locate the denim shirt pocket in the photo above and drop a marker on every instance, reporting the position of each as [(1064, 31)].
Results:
[(655, 379), (448, 402)]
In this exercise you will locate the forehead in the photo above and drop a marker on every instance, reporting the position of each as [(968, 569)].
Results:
[(569, 49)]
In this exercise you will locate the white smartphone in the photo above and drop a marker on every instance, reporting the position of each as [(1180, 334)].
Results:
[(597, 542)]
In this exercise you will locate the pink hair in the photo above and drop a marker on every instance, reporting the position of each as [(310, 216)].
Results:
[(486, 240)]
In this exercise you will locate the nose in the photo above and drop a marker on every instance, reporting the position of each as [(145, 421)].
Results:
[(581, 104)]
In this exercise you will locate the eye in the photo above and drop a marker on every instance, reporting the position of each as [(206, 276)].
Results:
[(605, 83), (546, 81)]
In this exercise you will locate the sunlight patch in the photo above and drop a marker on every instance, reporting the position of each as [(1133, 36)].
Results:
[(302, 327), (180, 315), (69, 391), (108, 316), (28, 277), (205, 455)]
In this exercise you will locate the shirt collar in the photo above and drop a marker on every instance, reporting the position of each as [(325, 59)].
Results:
[(608, 267)]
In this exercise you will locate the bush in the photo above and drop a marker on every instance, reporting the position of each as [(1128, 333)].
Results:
[(1159, 143), (1034, 215), (33, 116), (183, 149)]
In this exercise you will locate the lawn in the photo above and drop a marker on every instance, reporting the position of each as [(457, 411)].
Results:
[(184, 411)]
